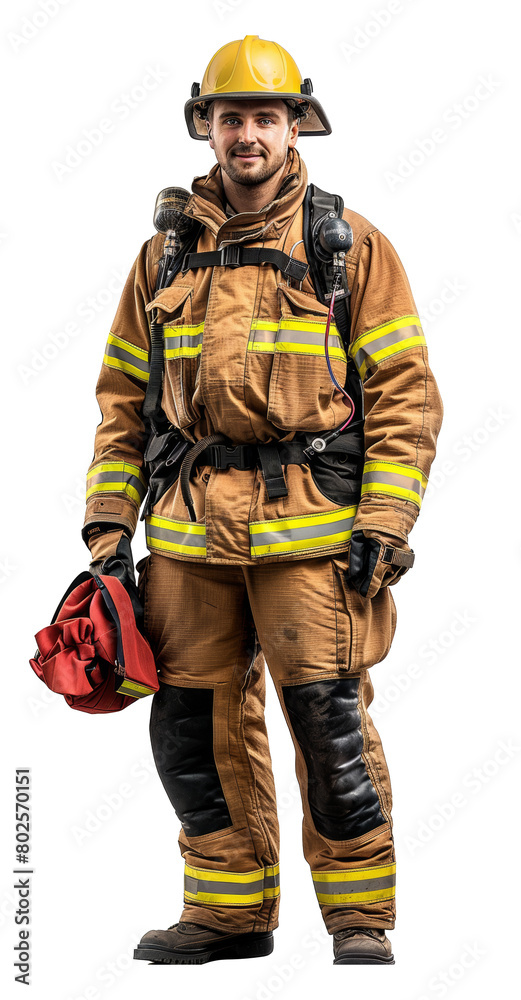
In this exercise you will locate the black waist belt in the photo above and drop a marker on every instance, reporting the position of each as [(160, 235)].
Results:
[(217, 451), (237, 255)]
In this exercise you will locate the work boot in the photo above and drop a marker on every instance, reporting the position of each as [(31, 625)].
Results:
[(362, 946), (190, 944)]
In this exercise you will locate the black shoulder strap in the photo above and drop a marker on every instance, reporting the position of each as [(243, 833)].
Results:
[(152, 402)]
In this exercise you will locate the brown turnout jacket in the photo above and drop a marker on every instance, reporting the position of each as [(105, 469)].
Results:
[(244, 356)]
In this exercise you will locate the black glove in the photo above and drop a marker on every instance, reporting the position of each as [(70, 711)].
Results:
[(121, 565), (376, 561)]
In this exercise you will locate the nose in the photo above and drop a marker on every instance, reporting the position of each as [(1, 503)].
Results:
[(247, 134)]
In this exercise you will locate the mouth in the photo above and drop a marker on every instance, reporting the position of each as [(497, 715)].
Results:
[(248, 157)]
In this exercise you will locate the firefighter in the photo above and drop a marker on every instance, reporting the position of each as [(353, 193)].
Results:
[(266, 554)]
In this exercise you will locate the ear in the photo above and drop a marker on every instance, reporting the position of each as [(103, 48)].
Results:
[(293, 134), (210, 139)]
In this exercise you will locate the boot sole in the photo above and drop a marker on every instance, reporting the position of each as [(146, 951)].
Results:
[(253, 946), (361, 960)]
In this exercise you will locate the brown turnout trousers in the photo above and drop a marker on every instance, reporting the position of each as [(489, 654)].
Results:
[(211, 746)]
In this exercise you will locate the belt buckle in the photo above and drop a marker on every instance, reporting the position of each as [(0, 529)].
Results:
[(231, 457), (230, 255)]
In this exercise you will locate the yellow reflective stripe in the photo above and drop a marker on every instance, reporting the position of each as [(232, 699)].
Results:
[(134, 689), (287, 347), (118, 467), (275, 870), (394, 479), (357, 897), (115, 488), (355, 874), (383, 341), (224, 899), (207, 875), (264, 324), (294, 534), (308, 326)]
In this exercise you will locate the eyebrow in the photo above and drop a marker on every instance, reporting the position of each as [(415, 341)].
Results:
[(258, 114)]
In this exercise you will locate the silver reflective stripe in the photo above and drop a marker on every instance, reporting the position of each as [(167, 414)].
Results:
[(372, 348), (271, 881), (306, 338), (394, 479), (350, 888), (118, 477)]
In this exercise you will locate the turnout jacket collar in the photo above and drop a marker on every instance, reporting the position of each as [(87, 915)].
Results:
[(207, 201)]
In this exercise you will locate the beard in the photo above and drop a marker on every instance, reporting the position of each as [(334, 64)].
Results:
[(249, 176)]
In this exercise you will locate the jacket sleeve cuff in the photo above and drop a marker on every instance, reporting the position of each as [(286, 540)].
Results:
[(109, 510), (377, 514)]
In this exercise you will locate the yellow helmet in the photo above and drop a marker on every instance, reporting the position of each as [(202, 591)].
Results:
[(253, 68)]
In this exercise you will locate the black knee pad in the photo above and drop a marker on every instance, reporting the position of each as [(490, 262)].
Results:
[(181, 733), (326, 722)]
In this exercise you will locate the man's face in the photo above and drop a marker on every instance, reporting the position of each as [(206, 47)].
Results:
[(251, 138)]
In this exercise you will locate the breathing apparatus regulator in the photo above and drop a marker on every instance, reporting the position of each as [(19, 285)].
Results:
[(332, 238)]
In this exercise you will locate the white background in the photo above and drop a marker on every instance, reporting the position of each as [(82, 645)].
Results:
[(106, 862)]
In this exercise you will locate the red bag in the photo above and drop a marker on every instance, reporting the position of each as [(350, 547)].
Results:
[(93, 652)]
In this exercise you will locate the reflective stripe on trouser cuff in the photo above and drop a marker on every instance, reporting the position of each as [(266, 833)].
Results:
[(117, 477), (185, 537), (134, 689), (183, 341), (127, 358), (231, 888), (357, 885), (297, 534), (295, 337), (381, 343), (403, 481)]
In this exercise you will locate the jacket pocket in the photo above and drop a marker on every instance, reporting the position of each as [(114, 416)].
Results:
[(301, 390), (182, 345)]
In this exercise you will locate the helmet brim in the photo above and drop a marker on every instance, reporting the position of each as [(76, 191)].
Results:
[(315, 123)]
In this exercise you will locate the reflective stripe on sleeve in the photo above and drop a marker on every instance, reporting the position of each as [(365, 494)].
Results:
[(384, 341), (298, 534), (127, 358), (183, 341), (185, 537), (403, 481), (117, 477), (356, 885), (230, 888)]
